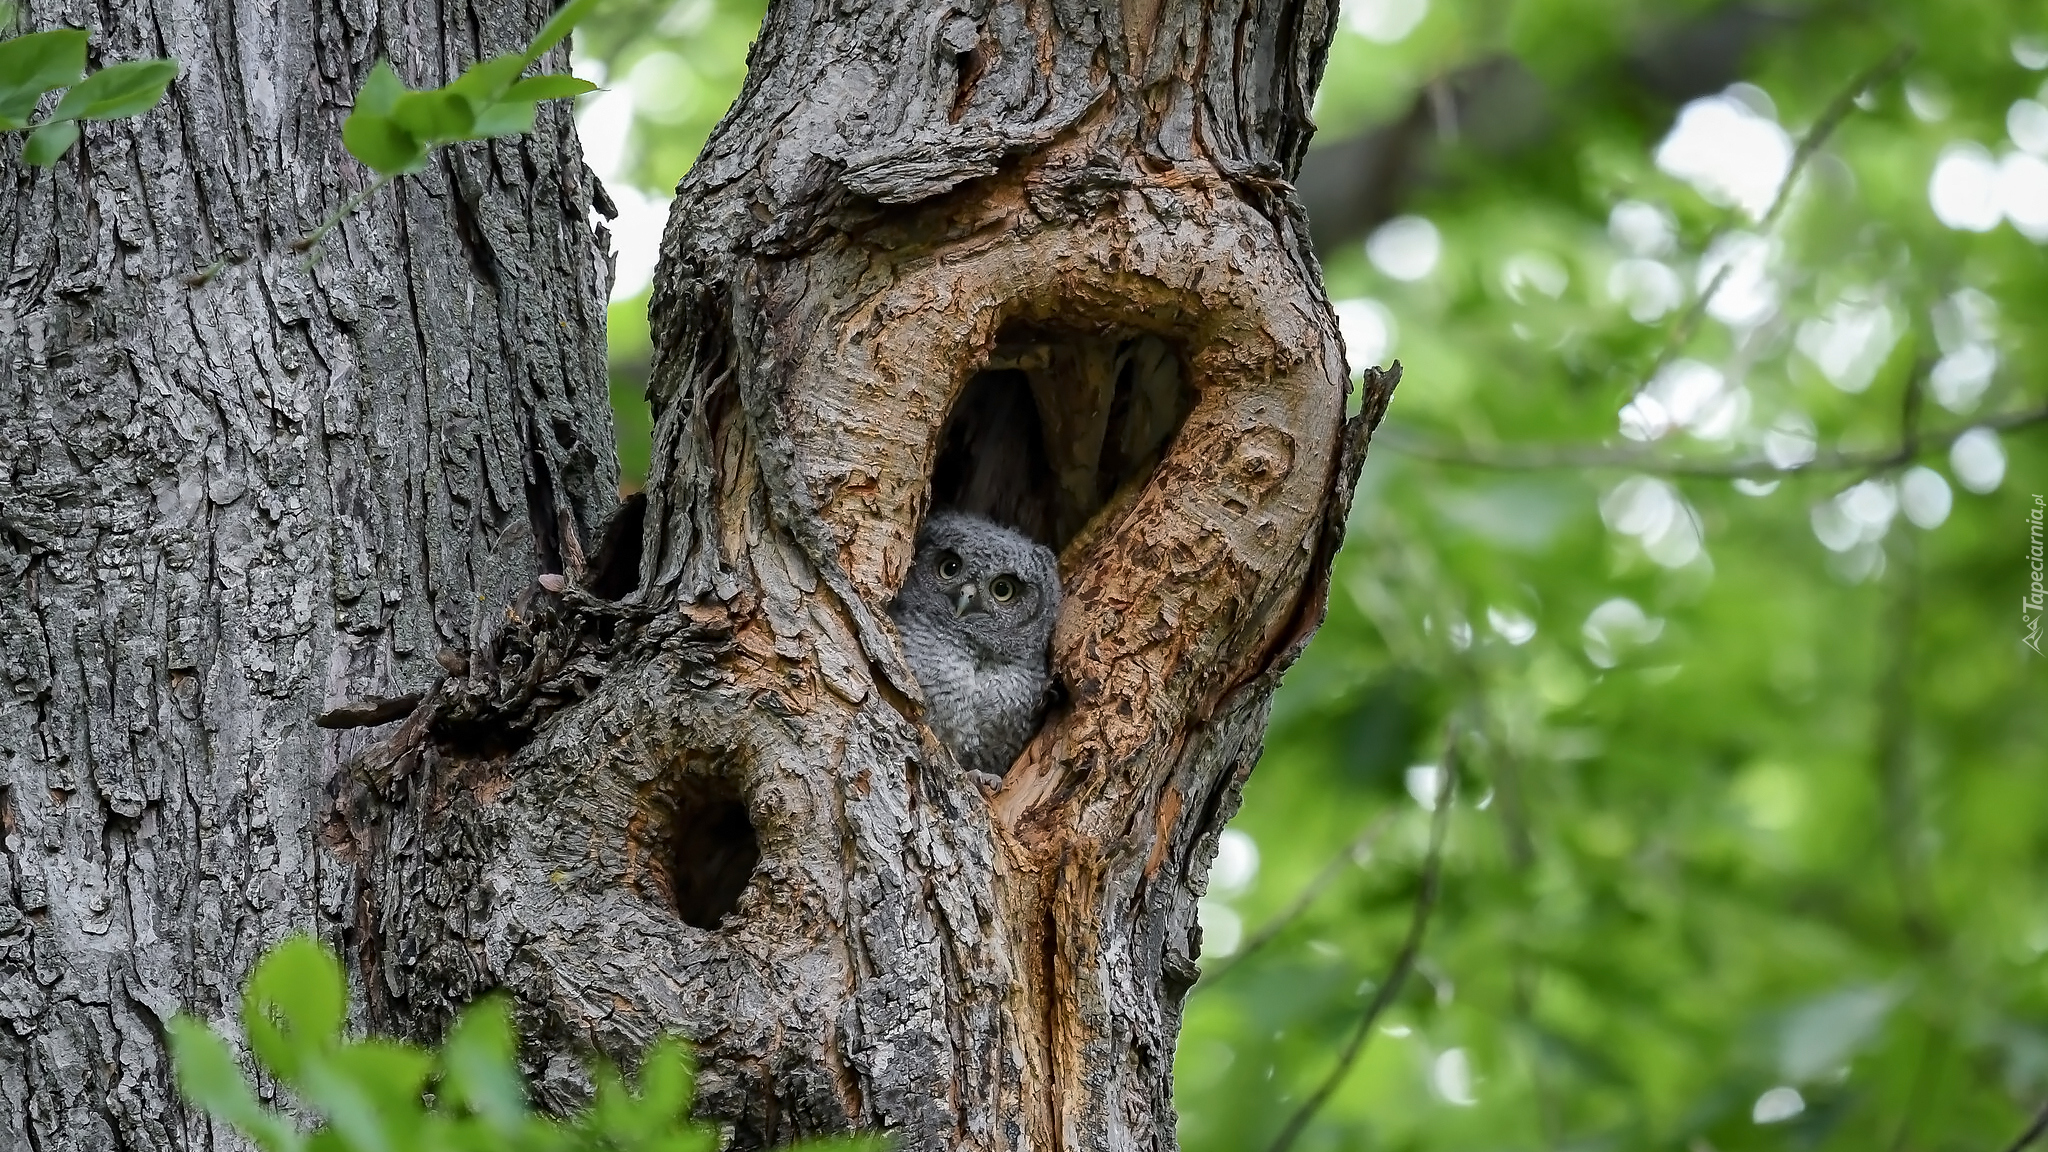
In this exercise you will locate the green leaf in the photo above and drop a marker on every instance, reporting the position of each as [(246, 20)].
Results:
[(206, 1070), (507, 118), (610, 1116), (208, 1078), (124, 89), (380, 91), (434, 116), (665, 1080), (487, 80), (48, 143), (557, 28), (549, 87), (347, 1105), (373, 134), (381, 143), (369, 1091), (477, 1065), (34, 64), (293, 1009)]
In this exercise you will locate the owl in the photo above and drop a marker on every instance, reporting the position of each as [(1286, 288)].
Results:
[(976, 615)]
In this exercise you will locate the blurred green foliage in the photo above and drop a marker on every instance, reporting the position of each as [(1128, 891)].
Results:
[(677, 64), (683, 62), (1751, 850), (379, 1095)]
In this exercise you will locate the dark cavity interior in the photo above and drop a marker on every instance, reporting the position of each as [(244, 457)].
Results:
[(712, 850), (1057, 425)]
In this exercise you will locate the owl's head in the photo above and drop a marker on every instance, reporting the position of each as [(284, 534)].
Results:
[(995, 588)]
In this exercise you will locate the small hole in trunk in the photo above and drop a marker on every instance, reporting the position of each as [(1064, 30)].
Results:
[(712, 850)]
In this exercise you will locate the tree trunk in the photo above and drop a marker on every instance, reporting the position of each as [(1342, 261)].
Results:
[(1036, 260), (228, 506)]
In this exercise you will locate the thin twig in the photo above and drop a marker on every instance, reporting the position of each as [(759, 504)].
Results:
[(1404, 960), (1893, 736), (1327, 876), (311, 240), (1931, 1054), (1537, 457), (1831, 118), (2032, 1133)]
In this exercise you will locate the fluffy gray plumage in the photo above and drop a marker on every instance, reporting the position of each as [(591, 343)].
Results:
[(976, 614)]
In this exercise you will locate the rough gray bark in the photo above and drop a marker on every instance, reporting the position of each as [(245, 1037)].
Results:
[(226, 507), (1036, 259)]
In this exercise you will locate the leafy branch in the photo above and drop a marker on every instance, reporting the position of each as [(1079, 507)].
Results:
[(390, 1096), (393, 128), (1578, 456), (1809, 145), (1338, 864), (39, 63), (1539, 457)]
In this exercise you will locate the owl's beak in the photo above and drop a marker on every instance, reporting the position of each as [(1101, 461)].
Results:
[(968, 599)]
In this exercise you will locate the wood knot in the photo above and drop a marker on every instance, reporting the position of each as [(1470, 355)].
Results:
[(1262, 459)]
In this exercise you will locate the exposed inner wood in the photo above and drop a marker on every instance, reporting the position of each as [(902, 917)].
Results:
[(1056, 424)]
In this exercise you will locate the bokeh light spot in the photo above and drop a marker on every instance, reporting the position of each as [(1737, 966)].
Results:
[(1978, 460), (1237, 862), (1963, 191), (1728, 151), (1384, 21), (1369, 332), (1924, 496), (1777, 1105), (1405, 248)]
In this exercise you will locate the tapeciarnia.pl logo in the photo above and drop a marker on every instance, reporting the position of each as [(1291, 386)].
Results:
[(2036, 603)]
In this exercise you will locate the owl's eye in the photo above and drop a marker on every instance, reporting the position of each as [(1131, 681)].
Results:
[(1002, 588), (949, 566)]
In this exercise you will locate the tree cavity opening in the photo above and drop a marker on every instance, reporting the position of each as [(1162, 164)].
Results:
[(1059, 425), (712, 849)]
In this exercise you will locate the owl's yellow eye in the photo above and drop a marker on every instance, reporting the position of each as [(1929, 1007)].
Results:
[(1002, 588), (949, 567)]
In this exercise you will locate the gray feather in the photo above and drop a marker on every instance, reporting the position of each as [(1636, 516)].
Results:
[(976, 616)]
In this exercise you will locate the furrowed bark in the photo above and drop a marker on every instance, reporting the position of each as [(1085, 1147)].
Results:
[(1036, 259), (229, 503)]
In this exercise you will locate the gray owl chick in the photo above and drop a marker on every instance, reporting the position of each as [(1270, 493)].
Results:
[(976, 614)]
